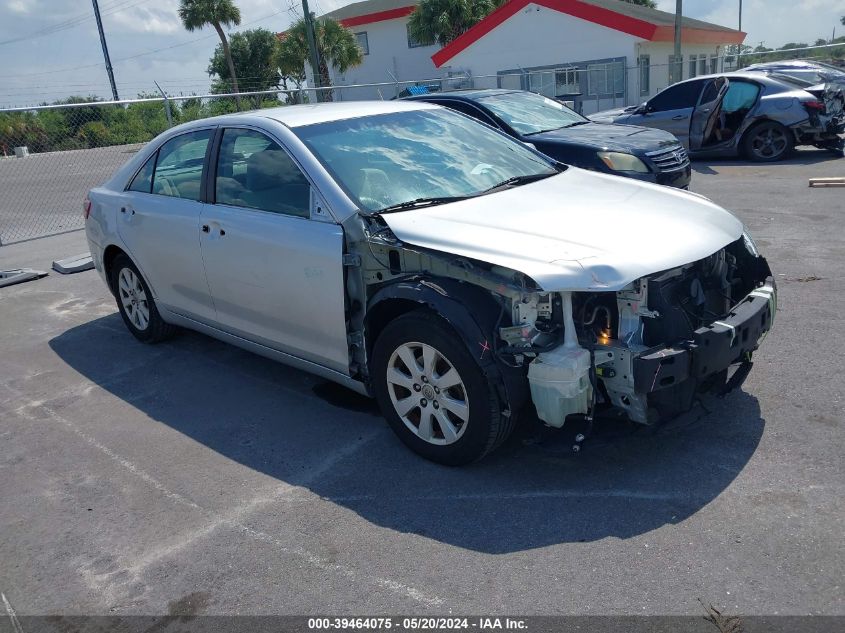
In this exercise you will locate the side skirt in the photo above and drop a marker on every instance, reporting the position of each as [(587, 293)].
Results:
[(267, 352)]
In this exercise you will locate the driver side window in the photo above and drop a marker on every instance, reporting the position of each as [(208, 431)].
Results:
[(677, 97), (254, 172)]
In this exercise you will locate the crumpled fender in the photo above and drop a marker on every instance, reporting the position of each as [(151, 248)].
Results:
[(473, 312)]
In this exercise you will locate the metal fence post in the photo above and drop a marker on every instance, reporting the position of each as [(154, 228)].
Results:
[(166, 105)]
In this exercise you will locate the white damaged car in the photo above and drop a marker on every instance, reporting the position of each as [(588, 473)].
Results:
[(412, 254)]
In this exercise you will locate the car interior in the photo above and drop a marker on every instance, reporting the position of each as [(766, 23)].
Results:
[(737, 103)]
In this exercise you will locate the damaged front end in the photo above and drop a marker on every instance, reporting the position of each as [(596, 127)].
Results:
[(650, 348)]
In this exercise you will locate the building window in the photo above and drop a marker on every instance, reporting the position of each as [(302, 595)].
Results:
[(606, 79), (645, 74), (693, 65), (412, 41), (714, 64), (676, 69), (363, 43), (702, 64)]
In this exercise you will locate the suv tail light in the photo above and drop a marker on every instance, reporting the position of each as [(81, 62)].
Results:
[(86, 208)]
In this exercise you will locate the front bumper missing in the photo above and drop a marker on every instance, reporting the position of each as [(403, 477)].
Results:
[(713, 349)]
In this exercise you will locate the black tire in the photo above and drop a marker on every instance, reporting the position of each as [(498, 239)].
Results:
[(768, 142), (155, 329), (485, 427)]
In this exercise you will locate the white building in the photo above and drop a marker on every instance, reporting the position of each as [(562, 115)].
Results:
[(598, 53)]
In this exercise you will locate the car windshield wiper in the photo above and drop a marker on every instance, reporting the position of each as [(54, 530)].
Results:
[(421, 202), (519, 180), (552, 129)]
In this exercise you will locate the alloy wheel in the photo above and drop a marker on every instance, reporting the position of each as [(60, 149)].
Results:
[(769, 142), (133, 298), (428, 393)]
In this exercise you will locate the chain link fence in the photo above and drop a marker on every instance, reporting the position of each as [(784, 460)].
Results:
[(50, 156)]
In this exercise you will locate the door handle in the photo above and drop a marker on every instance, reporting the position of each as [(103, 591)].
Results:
[(125, 209), (679, 117)]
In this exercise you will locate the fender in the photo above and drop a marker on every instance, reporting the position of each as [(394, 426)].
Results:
[(473, 312)]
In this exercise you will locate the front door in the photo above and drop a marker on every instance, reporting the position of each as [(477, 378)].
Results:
[(158, 221), (275, 274), (670, 110)]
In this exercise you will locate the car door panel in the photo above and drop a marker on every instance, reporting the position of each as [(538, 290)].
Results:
[(706, 114), (161, 233), (278, 280), (276, 274)]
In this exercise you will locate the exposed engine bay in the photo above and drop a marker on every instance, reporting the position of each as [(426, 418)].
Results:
[(649, 348)]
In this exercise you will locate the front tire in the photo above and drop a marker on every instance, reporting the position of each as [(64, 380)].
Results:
[(136, 304), (434, 395), (768, 142)]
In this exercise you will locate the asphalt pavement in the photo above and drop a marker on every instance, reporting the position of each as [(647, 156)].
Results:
[(135, 479)]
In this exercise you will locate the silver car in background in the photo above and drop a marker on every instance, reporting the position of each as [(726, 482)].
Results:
[(741, 114), (413, 254)]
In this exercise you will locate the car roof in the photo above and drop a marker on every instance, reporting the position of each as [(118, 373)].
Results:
[(311, 113), (787, 63), (469, 94)]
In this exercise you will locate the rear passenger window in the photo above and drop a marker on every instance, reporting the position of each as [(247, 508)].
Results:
[(178, 171), (253, 171), (143, 180)]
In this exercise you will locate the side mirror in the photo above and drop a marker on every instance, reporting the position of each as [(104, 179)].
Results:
[(643, 109)]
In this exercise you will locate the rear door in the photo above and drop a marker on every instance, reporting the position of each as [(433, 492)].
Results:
[(705, 117), (671, 110), (275, 273), (158, 221)]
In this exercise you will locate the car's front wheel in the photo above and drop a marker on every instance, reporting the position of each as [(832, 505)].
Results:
[(435, 397), (136, 304)]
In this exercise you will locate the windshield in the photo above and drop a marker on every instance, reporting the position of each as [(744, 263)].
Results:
[(390, 159), (529, 113)]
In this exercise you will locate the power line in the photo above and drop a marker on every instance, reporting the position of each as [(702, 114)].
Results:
[(110, 9), (123, 59)]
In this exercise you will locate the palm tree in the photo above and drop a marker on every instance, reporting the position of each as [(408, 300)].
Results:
[(441, 21), (196, 14), (336, 46)]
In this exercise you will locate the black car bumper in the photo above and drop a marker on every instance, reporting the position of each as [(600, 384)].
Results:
[(679, 178), (713, 349)]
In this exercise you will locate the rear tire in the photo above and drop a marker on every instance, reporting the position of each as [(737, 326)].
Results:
[(433, 394), (136, 304), (768, 142)]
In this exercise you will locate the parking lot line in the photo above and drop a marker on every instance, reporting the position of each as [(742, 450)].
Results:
[(234, 518)]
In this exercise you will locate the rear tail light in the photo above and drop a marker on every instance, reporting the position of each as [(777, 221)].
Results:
[(815, 106), (86, 208)]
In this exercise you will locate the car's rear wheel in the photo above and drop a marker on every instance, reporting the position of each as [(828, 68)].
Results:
[(767, 142), (435, 397), (136, 304)]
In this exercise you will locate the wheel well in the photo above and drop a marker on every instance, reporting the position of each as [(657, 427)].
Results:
[(109, 256), (386, 311)]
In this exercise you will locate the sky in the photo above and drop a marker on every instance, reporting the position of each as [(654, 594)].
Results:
[(50, 49)]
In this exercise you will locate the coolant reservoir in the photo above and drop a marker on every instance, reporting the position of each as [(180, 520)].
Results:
[(560, 379)]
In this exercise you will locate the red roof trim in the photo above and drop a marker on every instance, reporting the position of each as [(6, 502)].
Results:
[(589, 12), (380, 16)]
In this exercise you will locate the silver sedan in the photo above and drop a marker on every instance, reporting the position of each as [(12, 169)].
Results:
[(413, 254)]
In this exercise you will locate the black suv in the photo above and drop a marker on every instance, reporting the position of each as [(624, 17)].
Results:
[(623, 150)]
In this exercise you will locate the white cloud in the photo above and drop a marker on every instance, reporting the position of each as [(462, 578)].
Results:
[(19, 6)]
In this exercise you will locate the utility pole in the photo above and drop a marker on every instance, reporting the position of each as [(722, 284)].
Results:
[(678, 71), (740, 16), (313, 53), (105, 50)]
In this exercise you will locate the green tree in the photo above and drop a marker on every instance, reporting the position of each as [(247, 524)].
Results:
[(196, 14), (254, 58), (441, 21), (336, 46)]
